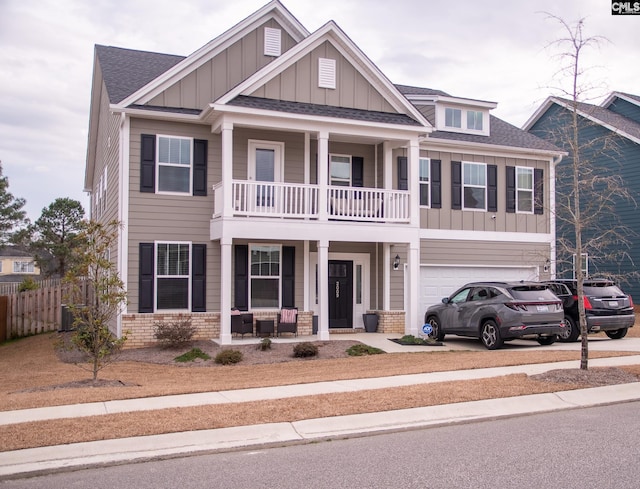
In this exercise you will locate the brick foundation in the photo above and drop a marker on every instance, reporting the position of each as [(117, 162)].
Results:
[(390, 321)]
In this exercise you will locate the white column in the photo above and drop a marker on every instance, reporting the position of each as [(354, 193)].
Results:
[(323, 175), (225, 291), (388, 165), (227, 169), (323, 290), (413, 165), (386, 281), (413, 320), (307, 277)]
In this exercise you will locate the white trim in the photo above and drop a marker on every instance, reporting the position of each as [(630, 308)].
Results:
[(486, 149), (614, 95), (123, 208), (461, 235)]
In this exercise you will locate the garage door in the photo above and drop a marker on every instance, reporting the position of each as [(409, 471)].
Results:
[(437, 282)]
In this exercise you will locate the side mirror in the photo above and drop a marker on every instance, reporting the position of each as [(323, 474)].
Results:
[(445, 300)]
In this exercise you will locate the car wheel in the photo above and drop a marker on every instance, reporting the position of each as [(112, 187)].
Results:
[(616, 334), (490, 335), (571, 331), (436, 333), (547, 340)]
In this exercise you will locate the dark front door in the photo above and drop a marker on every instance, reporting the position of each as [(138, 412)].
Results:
[(340, 294)]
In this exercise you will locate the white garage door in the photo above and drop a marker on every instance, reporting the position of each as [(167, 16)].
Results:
[(437, 282)]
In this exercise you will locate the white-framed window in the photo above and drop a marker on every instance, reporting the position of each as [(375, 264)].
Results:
[(23, 267), (174, 164), (272, 41), (326, 73), (264, 276), (173, 275), (340, 170), (453, 117), (524, 190), (585, 265), (424, 172), (474, 186), (474, 120)]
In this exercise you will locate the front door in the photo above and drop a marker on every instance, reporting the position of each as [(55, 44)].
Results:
[(340, 294), (265, 165)]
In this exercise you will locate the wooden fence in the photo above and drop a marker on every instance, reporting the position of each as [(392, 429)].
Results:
[(34, 311)]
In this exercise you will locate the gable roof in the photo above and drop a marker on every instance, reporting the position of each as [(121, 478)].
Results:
[(600, 115), (634, 99)]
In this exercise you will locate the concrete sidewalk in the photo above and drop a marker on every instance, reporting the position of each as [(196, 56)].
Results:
[(47, 459)]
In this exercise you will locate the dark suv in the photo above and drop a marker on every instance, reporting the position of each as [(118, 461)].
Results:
[(607, 308), (498, 311)]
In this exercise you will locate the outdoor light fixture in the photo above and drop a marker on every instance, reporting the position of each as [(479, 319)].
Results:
[(396, 262), (547, 264)]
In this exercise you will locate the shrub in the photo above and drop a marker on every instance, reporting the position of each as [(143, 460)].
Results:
[(191, 355), (228, 357), (409, 339), (174, 333), (360, 350), (28, 284), (306, 349), (265, 344)]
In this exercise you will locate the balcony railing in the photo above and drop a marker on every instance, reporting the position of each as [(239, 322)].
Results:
[(299, 201)]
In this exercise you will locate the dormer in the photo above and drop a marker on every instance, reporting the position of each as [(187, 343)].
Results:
[(464, 116)]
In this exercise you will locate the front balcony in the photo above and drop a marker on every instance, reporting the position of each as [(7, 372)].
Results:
[(302, 201)]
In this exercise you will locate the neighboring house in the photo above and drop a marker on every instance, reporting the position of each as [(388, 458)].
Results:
[(611, 136), (16, 265), (275, 167)]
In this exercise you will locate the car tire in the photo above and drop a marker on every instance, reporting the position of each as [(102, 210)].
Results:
[(547, 340), (436, 333), (617, 334), (572, 331), (490, 335)]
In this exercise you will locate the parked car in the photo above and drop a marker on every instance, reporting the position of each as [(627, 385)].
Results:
[(496, 312), (607, 308)]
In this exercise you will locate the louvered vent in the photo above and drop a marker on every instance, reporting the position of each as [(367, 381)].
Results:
[(272, 42), (326, 73)]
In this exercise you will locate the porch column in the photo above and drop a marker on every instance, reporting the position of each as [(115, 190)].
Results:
[(413, 167), (387, 165), (386, 281), (323, 175), (227, 169), (323, 289), (413, 321), (307, 279), (225, 291)]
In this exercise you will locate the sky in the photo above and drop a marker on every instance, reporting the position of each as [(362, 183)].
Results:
[(489, 50)]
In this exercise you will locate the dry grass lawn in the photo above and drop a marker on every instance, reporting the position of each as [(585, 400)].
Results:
[(32, 363)]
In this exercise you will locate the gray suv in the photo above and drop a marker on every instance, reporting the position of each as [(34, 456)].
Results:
[(496, 312)]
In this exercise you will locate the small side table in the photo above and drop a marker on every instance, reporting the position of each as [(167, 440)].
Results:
[(265, 326)]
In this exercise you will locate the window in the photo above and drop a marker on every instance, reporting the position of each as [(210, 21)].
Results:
[(173, 275), (474, 120), (326, 73), (453, 117), (425, 163), (23, 267), (174, 164), (474, 186), (264, 276), (272, 41), (340, 170), (524, 190), (585, 265)]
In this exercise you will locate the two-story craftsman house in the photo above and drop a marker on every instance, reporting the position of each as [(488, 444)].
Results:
[(275, 168)]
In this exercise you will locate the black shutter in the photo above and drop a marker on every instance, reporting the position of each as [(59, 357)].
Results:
[(436, 184), (456, 185), (511, 189), (241, 279), (538, 191), (145, 282), (288, 276), (357, 171), (198, 277), (147, 163), (492, 188), (200, 167), (403, 173)]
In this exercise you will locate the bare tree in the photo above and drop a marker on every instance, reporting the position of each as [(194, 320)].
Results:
[(589, 188)]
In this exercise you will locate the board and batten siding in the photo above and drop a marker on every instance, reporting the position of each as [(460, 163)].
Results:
[(448, 218), (299, 83), (156, 217), (226, 70)]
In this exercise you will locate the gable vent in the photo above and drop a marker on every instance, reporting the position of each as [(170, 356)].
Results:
[(326, 73), (272, 42)]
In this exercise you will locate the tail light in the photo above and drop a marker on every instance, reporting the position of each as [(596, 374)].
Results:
[(630, 301), (587, 303), (516, 306)]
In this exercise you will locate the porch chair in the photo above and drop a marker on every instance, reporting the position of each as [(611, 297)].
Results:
[(287, 321), (241, 323)]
